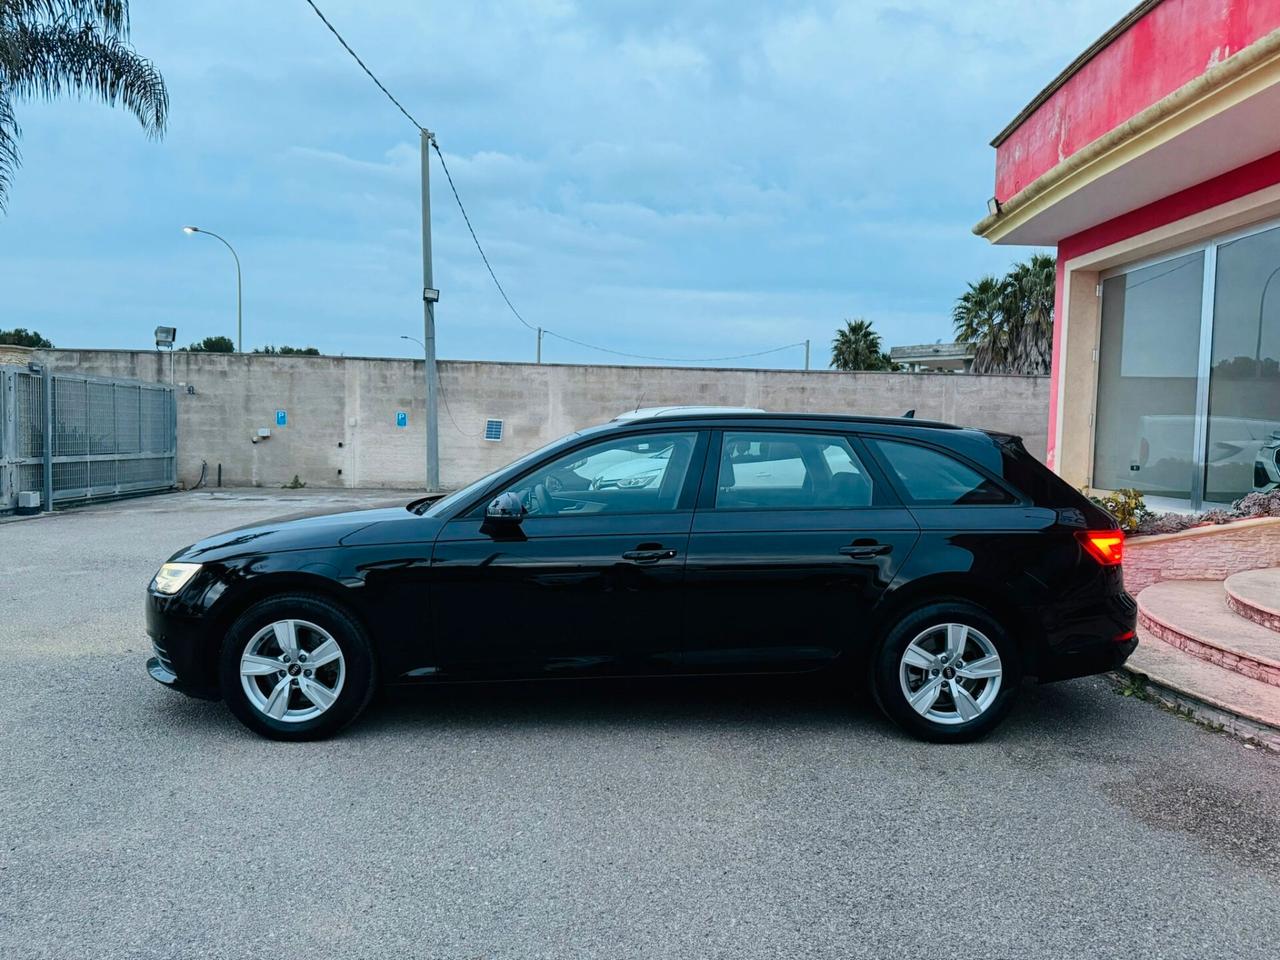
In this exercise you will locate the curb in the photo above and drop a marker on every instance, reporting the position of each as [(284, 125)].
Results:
[(1206, 714)]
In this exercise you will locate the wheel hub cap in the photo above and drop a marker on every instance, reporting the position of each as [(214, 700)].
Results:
[(274, 680), (950, 673)]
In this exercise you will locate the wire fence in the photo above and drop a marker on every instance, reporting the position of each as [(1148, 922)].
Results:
[(105, 437)]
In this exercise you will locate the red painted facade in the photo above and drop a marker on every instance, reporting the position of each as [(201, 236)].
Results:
[(1172, 44)]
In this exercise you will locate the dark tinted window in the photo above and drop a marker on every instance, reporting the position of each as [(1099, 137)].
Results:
[(787, 470), (1044, 487), (932, 477)]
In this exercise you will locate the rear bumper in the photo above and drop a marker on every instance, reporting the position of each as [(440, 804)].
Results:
[(1081, 639)]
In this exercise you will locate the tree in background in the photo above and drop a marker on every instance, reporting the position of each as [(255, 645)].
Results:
[(287, 351), (857, 347), (1009, 320), (53, 47), (22, 337), (212, 345)]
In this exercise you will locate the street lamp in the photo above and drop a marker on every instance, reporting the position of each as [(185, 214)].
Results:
[(239, 292)]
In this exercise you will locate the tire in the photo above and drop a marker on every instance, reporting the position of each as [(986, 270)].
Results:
[(944, 714), (324, 684)]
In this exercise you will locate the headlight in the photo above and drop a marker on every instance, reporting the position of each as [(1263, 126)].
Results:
[(173, 577), (641, 481)]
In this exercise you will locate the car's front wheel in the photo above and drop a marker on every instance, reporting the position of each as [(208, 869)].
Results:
[(947, 672), (296, 667)]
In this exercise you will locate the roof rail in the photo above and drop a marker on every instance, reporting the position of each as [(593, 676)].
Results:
[(655, 413)]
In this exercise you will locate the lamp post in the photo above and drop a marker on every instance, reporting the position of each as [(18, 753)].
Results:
[(239, 292)]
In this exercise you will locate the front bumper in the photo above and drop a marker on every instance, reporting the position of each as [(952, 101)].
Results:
[(180, 658), (1086, 638)]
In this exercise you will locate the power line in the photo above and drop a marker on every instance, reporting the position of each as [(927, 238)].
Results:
[(484, 257), (448, 176), (641, 356), (346, 46)]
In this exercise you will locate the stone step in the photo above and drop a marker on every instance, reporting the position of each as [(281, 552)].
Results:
[(1193, 616), (1227, 694), (1255, 595)]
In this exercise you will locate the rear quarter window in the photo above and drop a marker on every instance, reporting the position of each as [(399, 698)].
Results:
[(930, 477)]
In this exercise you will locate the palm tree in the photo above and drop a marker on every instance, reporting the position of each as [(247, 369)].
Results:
[(1010, 319), (1031, 289), (978, 317), (49, 48), (857, 347)]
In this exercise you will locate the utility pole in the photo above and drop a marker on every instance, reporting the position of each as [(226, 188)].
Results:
[(806, 354), (539, 360), (429, 298)]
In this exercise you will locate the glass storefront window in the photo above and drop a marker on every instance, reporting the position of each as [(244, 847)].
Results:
[(1148, 358), (1244, 373)]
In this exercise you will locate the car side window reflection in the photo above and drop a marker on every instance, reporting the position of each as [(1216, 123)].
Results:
[(764, 471), (629, 474)]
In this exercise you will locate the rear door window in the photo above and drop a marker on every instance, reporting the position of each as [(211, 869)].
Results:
[(933, 478), (765, 471)]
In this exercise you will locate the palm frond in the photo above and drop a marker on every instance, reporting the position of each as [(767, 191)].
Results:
[(10, 159), (70, 57), (111, 16)]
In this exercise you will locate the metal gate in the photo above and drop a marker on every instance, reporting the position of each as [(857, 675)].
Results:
[(109, 437)]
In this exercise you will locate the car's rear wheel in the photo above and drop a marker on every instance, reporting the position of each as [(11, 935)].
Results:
[(296, 667), (947, 672)]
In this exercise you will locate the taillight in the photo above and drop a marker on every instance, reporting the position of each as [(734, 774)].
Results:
[(1105, 546)]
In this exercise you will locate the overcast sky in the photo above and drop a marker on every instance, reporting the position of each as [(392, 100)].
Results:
[(687, 179)]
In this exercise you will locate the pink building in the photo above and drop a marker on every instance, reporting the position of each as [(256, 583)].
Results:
[(1152, 164)]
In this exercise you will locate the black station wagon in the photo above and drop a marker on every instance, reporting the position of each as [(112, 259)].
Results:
[(936, 564)]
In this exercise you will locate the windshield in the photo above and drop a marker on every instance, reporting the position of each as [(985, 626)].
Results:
[(446, 503)]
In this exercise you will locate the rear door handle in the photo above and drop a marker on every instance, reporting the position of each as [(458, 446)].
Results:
[(648, 556), (865, 551)]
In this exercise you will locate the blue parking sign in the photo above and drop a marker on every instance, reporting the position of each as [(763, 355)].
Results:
[(402, 418), (282, 418)]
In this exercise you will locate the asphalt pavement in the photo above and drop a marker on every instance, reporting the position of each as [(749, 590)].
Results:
[(678, 819)]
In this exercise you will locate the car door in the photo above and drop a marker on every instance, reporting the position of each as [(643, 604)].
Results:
[(794, 540), (971, 523), (589, 580)]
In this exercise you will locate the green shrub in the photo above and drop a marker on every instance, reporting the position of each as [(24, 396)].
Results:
[(1127, 506)]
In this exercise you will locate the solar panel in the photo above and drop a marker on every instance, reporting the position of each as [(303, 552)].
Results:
[(493, 429)]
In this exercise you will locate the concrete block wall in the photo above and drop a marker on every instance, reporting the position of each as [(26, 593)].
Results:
[(341, 411)]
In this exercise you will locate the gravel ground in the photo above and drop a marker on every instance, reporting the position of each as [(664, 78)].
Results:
[(681, 819)]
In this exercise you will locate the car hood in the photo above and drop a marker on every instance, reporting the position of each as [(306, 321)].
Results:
[(316, 530)]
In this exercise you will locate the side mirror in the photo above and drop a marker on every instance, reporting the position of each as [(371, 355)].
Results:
[(505, 506)]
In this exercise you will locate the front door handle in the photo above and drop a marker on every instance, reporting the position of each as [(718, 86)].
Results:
[(865, 551), (651, 555)]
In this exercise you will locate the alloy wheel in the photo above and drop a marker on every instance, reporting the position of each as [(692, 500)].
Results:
[(950, 673), (292, 670)]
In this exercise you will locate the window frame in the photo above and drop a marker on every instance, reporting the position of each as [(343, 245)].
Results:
[(685, 501), (1017, 498), (882, 494)]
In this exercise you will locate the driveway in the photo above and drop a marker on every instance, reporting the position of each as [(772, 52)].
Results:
[(710, 819)]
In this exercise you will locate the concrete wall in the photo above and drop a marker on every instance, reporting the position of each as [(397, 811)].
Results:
[(341, 411)]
